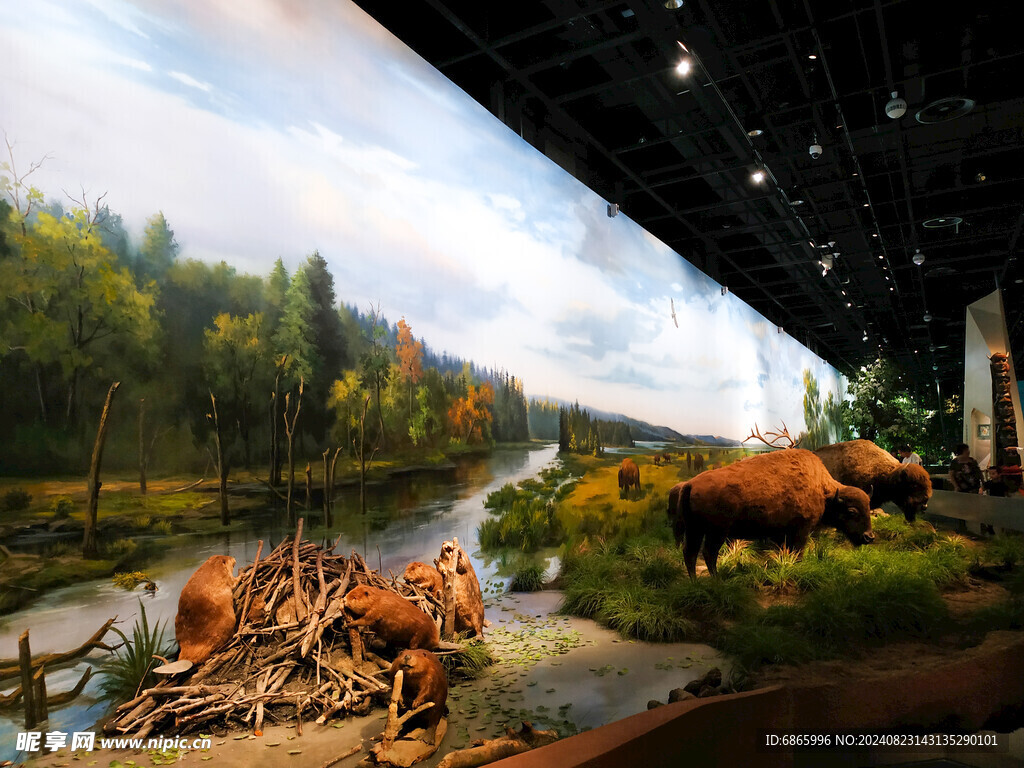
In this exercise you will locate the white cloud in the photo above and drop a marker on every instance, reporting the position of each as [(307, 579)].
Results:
[(190, 81)]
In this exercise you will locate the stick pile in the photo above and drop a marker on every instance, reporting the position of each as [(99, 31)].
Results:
[(292, 656)]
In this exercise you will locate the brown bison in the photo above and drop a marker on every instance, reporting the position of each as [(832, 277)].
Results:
[(629, 476), (782, 496), (863, 464)]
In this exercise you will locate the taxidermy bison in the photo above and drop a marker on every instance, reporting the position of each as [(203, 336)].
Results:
[(782, 496), (206, 612), (864, 465), (629, 476)]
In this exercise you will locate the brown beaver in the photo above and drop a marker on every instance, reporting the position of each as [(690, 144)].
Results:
[(206, 613), (424, 680), (469, 601), (391, 617), (426, 577)]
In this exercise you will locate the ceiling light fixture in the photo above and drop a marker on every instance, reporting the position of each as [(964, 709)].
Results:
[(755, 133), (980, 177), (812, 56), (927, 317), (683, 67), (874, 234), (896, 107), (798, 201), (672, 5), (757, 176), (918, 257)]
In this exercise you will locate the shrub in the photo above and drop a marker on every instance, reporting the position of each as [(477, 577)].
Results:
[(16, 500), (121, 549), (131, 668), (712, 600), (636, 612), (62, 507), (1006, 549), (469, 661), (527, 578), (162, 527)]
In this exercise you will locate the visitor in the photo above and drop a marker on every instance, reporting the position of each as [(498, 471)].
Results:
[(964, 472), (994, 486), (907, 455)]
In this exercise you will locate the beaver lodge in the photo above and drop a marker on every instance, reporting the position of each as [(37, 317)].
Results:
[(292, 657)]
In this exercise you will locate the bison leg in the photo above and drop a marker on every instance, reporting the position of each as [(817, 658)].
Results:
[(713, 541), (694, 536)]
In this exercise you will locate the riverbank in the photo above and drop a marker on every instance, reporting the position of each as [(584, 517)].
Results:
[(557, 671), (41, 542)]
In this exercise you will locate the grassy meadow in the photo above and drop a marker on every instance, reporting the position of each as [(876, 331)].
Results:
[(621, 568)]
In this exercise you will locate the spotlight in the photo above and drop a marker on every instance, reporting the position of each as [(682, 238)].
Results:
[(613, 210), (754, 133), (798, 201), (896, 107), (980, 177), (865, 336), (672, 5), (874, 234), (927, 317), (815, 149), (725, 290), (849, 304), (812, 56), (757, 177), (683, 67), (918, 257)]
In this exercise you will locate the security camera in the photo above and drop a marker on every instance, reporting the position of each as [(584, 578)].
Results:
[(815, 150)]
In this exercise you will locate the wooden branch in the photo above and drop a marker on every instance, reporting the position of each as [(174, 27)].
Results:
[(347, 753), (11, 668), (247, 598), (512, 743)]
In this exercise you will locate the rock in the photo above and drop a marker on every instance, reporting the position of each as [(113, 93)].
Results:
[(708, 690), (679, 694), (653, 703), (711, 679)]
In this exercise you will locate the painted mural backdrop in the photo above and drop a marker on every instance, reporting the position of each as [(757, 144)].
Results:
[(248, 133)]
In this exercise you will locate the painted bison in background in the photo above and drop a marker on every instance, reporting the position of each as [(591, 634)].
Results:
[(629, 476), (863, 464), (782, 496)]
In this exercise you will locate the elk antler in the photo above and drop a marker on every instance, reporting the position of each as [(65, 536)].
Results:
[(776, 437)]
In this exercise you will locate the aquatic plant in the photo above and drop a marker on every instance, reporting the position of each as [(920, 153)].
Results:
[(121, 549), (162, 527), (129, 580), (131, 669)]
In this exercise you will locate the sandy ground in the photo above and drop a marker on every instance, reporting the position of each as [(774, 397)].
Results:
[(556, 671)]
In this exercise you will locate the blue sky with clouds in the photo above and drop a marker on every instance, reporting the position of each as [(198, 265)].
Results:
[(271, 128)]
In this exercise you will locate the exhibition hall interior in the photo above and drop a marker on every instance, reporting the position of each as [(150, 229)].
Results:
[(554, 383)]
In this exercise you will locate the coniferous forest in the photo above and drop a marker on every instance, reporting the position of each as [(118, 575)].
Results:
[(202, 350)]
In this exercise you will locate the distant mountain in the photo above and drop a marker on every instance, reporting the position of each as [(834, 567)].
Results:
[(642, 430)]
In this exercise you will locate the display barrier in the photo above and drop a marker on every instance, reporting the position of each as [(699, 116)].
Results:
[(975, 510), (947, 700)]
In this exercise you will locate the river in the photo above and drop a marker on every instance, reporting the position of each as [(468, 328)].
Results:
[(407, 519)]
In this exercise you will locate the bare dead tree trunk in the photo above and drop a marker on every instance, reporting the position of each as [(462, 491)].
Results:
[(309, 486), (289, 428), (275, 441), (363, 461), (329, 467), (89, 540), (222, 465), (39, 390), (142, 446)]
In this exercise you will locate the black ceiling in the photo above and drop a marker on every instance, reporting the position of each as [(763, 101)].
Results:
[(594, 86)]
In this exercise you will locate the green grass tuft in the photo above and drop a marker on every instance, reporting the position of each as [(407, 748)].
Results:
[(131, 669), (527, 578)]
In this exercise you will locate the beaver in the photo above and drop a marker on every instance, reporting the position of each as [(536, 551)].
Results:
[(469, 602), (424, 680), (426, 577), (206, 612), (392, 618)]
